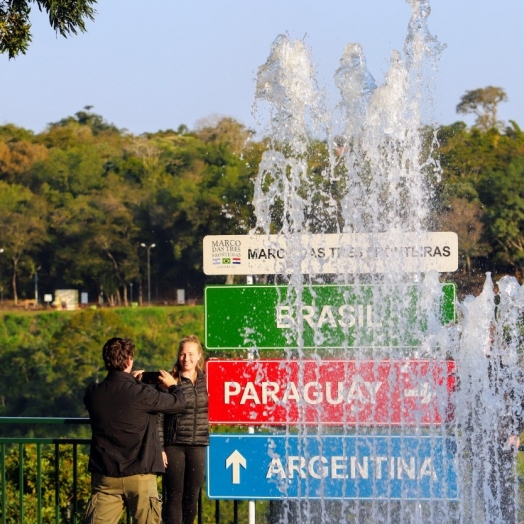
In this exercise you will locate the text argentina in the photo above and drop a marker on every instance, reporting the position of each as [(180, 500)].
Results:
[(344, 467)]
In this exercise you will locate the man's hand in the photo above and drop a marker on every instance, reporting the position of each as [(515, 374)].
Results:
[(513, 443), (166, 379), (137, 374)]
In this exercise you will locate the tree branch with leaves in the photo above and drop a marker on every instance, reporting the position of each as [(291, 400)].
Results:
[(66, 17)]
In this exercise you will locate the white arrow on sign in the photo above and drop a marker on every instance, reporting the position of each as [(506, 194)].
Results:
[(423, 391), (236, 460)]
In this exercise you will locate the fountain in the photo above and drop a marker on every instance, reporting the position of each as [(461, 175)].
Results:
[(393, 402), (372, 179)]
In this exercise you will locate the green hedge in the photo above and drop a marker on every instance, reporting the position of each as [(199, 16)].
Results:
[(48, 358)]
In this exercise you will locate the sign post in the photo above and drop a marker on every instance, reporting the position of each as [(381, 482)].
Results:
[(394, 394)]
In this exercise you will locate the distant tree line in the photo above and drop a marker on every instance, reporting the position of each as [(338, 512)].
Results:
[(79, 200), (82, 201)]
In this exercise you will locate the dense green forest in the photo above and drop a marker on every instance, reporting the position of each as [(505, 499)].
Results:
[(82, 201)]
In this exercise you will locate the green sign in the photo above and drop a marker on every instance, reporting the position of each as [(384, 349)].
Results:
[(324, 316)]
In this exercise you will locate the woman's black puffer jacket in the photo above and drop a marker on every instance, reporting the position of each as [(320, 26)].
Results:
[(190, 426)]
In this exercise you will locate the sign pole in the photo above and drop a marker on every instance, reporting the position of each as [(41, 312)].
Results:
[(251, 429)]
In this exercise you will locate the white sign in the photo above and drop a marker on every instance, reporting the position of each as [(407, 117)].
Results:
[(330, 253), (66, 298)]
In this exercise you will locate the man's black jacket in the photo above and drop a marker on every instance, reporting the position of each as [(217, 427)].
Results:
[(123, 421)]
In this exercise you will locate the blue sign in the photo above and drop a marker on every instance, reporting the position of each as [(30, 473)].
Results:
[(331, 467)]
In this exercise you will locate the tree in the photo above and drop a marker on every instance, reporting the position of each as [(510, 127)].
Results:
[(74, 361), (87, 118), (17, 158), (483, 103), (96, 240), (65, 17), (224, 130), (502, 193), (23, 219), (465, 218), (475, 185)]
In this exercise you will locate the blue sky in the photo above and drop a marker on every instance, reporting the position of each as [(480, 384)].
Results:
[(150, 65)]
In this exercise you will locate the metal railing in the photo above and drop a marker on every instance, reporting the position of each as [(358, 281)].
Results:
[(22, 443), (46, 479), (29, 465)]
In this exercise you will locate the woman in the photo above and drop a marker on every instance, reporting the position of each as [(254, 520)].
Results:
[(185, 437)]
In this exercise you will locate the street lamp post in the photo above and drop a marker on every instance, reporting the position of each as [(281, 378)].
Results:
[(36, 285), (1, 287), (148, 270)]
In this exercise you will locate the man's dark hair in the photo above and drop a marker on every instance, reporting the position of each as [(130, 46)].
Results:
[(116, 353)]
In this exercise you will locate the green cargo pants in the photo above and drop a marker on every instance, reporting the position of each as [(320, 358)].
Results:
[(110, 496)]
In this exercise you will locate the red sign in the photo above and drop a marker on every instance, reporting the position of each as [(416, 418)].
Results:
[(330, 392)]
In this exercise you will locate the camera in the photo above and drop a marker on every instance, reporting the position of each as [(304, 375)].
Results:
[(150, 377)]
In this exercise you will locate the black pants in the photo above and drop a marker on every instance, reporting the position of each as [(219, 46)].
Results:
[(183, 479)]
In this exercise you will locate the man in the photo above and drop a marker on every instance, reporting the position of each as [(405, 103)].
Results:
[(125, 449)]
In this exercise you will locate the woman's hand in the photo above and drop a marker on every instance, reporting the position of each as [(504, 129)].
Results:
[(166, 379), (164, 459)]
